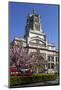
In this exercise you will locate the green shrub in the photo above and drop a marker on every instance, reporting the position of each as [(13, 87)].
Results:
[(17, 80)]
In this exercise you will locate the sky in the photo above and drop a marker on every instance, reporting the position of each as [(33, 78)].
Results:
[(18, 13)]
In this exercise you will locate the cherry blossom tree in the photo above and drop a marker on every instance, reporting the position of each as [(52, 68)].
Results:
[(20, 57), (38, 62)]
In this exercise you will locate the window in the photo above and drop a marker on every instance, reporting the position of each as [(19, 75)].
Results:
[(36, 19), (56, 59), (31, 20), (52, 65), (48, 65), (50, 58), (37, 27), (12, 72)]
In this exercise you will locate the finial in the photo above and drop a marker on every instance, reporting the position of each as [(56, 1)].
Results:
[(33, 11)]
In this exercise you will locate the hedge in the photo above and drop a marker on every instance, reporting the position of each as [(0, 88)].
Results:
[(18, 80)]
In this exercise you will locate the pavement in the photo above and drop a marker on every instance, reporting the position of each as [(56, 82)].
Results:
[(46, 83)]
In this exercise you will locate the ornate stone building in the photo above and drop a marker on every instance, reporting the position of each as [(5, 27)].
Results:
[(35, 38)]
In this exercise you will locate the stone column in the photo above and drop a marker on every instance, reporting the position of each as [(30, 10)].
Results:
[(46, 66), (54, 63)]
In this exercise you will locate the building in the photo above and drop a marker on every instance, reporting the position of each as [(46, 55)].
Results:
[(35, 38)]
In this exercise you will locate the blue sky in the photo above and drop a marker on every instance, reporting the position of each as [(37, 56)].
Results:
[(49, 19)]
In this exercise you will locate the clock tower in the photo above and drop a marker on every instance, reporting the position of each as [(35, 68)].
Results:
[(33, 30)]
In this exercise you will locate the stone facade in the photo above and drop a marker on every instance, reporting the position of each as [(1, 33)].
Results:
[(35, 38)]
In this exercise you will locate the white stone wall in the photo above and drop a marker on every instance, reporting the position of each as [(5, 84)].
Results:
[(36, 34)]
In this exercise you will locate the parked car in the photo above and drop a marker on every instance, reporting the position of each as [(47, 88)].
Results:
[(26, 72)]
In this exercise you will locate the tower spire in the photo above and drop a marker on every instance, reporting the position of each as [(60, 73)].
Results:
[(33, 11)]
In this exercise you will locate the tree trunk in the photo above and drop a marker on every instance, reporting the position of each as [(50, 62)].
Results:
[(37, 71)]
